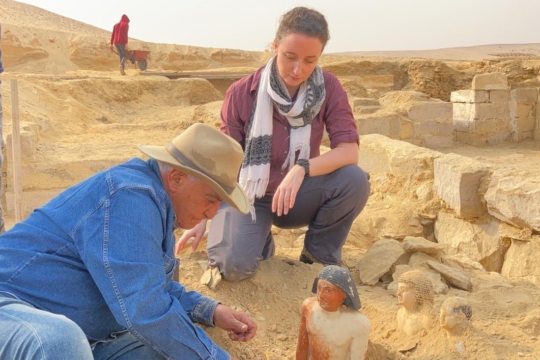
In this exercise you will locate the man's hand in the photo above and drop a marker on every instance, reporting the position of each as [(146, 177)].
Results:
[(110, 46), (239, 326), (196, 233), (286, 192)]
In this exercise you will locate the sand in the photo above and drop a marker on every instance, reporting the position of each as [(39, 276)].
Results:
[(90, 117)]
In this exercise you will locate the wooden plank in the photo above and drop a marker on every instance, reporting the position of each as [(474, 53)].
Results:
[(16, 150)]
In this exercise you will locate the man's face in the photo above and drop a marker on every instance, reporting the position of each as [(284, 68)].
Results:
[(193, 200), (329, 295), (406, 296)]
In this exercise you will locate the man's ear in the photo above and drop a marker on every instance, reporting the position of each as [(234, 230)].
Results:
[(175, 179), (275, 46)]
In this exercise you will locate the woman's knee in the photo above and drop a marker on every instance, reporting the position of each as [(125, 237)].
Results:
[(238, 268), (356, 182)]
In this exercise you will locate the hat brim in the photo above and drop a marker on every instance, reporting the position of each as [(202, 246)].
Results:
[(236, 198)]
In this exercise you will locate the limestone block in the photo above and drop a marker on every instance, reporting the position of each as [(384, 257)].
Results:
[(418, 244), (496, 96), (422, 129), (422, 111), (521, 110), (521, 95), (366, 109), (463, 125), (498, 138), (512, 232), (469, 137), (462, 111), (478, 241), (462, 261), (363, 102), (442, 141), (491, 126), (420, 259), (525, 124), (491, 81), (372, 156), (491, 111), (513, 197), (400, 158), (378, 260), (373, 125), (457, 181), (377, 81), (521, 261), (453, 276), (405, 128), (469, 96), (520, 136)]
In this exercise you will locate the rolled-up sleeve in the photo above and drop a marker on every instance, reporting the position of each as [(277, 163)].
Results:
[(340, 122)]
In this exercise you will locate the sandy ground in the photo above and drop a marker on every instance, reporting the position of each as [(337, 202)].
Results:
[(84, 116)]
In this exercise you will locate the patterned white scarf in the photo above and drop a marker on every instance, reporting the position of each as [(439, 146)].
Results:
[(255, 172)]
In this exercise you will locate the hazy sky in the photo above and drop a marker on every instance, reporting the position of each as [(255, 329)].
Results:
[(355, 25)]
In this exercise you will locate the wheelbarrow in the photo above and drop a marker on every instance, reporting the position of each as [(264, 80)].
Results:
[(137, 56)]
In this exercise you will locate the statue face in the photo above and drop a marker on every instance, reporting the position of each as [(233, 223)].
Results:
[(330, 297), (406, 296), (448, 318)]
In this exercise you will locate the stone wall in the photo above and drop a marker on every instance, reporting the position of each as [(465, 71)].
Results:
[(489, 215), (491, 113)]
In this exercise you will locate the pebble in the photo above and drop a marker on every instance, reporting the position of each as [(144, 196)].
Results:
[(520, 354), (282, 337)]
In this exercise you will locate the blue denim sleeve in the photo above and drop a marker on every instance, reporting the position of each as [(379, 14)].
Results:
[(200, 309), (129, 259)]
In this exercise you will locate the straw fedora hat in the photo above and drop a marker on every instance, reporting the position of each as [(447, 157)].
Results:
[(210, 156)]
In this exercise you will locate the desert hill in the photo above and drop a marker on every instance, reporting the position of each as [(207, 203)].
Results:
[(79, 115)]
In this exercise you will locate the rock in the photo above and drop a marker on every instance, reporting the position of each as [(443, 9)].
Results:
[(418, 244), (378, 260), (491, 81), (454, 276), (462, 261), (521, 261), (479, 241), (513, 196)]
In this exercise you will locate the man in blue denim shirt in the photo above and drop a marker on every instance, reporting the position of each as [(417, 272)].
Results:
[(89, 275)]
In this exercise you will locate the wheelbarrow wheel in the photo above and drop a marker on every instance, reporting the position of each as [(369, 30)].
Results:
[(143, 64)]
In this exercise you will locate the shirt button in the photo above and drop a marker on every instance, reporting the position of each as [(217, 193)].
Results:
[(284, 152), (282, 173), (285, 127)]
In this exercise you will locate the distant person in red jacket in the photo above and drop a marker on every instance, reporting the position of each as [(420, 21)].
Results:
[(119, 38)]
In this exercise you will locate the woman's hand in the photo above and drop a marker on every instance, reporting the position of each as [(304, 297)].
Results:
[(239, 326), (286, 192), (196, 233)]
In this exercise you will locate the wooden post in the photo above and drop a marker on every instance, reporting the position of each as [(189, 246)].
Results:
[(16, 149)]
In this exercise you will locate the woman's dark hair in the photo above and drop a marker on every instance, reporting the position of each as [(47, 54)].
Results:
[(305, 21)]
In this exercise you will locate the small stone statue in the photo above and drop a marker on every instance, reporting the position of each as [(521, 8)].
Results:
[(455, 315), (331, 326), (415, 295)]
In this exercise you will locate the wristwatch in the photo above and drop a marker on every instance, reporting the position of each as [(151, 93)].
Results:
[(305, 164)]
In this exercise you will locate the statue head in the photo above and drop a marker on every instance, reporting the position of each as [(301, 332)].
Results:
[(414, 288), (454, 310), (337, 278)]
